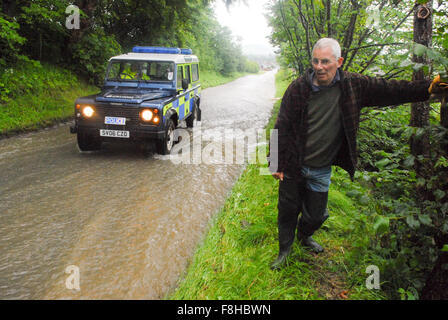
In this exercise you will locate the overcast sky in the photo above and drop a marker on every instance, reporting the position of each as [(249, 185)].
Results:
[(247, 22)]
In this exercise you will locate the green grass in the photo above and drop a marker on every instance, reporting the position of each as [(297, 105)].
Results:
[(39, 95), (233, 260), (213, 78)]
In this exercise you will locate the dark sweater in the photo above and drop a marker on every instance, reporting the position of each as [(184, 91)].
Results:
[(324, 127)]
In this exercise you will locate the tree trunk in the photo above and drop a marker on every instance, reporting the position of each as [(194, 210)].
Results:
[(437, 282), (420, 110)]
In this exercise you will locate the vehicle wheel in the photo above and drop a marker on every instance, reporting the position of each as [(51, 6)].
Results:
[(165, 145), (87, 142)]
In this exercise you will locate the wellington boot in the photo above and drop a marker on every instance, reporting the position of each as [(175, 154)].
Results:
[(281, 260), (312, 244)]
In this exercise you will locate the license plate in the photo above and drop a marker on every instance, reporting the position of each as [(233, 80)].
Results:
[(114, 133), (115, 120)]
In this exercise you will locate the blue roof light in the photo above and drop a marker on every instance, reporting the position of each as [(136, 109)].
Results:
[(138, 49), (186, 51)]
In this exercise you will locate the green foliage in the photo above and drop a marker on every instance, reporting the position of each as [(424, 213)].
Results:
[(111, 27), (90, 54), (42, 23), (250, 66), (10, 41), (407, 226), (40, 94)]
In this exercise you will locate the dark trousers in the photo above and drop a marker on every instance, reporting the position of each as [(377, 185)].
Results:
[(294, 198)]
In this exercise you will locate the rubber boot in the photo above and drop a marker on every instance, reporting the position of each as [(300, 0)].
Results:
[(314, 214), (312, 244), (290, 196), (281, 260)]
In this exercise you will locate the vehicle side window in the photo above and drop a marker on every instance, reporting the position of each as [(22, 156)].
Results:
[(195, 71), (179, 77), (187, 72)]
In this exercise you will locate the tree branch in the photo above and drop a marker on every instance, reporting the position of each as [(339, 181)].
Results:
[(378, 51)]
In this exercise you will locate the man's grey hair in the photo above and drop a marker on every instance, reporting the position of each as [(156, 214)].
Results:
[(329, 42)]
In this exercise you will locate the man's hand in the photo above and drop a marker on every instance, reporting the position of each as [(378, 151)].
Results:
[(438, 87), (278, 175)]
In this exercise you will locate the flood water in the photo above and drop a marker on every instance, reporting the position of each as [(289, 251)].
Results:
[(128, 223)]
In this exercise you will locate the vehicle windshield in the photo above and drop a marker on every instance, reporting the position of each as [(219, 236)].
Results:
[(131, 70)]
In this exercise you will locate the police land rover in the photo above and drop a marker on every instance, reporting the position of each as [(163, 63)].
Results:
[(146, 95)]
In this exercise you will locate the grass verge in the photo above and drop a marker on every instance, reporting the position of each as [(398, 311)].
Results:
[(38, 96), (213, 78), (233, 260)]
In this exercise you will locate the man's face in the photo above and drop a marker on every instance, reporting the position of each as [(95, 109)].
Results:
[(325, 65)]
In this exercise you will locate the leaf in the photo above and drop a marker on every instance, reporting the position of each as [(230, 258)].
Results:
[(414, 224), (445, 248), (353, 193), (417, 66), (364, 200), (441, 162), (409, 161), (381, 225), (425, 219), (419, 49), (439, 194), (382, 163), (444, 208)]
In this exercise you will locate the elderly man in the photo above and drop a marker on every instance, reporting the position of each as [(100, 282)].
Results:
[(317, 125)]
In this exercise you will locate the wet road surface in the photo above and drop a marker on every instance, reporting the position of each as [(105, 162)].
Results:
[(128, 223)]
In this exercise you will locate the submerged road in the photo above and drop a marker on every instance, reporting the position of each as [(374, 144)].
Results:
[(127, 224)]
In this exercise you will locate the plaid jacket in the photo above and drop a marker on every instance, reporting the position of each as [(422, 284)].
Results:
[(357, 91)]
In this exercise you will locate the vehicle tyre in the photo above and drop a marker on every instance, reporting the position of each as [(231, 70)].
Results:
[(165, 145), (86, 142)]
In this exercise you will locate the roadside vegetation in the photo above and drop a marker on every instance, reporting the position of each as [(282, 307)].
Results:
[(39, 95), (234, 259), (403, 150)]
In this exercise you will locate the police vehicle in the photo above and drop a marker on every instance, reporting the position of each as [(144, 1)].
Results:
[(145, 96)]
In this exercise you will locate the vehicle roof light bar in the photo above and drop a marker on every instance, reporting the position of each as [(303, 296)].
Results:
[(140, 49)]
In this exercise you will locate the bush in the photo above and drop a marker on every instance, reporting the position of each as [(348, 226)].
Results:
[(414, 207), (90, 55), (10, 42)]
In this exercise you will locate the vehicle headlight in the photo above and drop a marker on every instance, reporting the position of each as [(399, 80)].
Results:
[(88, 111), (146, 115)]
